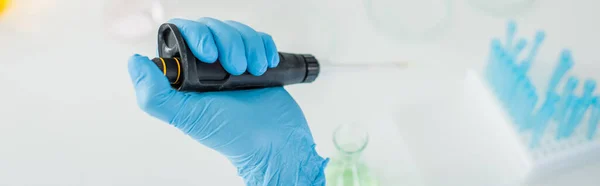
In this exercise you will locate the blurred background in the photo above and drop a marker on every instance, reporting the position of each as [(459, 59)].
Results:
[(68, 114)]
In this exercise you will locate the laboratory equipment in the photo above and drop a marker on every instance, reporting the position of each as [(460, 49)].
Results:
[(503, 8), (496, 124), (418, 20), (3, 6), (347, 168), (185, 73), (563, 110), (550, 121), (133, 20), (262, 132), (25, 16), (553, 113)]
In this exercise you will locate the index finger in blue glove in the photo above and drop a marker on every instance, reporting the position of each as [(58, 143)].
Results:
[(153, 91), (199, 39), (254, 47), (230, 45)]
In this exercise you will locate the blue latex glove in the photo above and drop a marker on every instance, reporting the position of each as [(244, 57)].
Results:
[(262, 132)]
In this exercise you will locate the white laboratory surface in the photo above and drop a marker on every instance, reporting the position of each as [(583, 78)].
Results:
[(68, 114)]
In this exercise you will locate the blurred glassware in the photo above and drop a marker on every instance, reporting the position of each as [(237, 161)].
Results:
[(347, 168), (24, 17), (133, 20), (3, 6), (503, 8), (410, 19)]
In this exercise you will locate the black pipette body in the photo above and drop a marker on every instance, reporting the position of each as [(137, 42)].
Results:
[(186, 73)]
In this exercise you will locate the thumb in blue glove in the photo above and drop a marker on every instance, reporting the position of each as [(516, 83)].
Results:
[(262, 132)]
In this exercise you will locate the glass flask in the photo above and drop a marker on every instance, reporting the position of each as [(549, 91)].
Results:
[(505, 8), (347, 167), (417, 20)]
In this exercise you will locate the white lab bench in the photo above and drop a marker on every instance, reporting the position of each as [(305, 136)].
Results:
[(69, 115)]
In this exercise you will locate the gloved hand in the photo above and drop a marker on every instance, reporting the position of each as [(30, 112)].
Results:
[(262, 132)]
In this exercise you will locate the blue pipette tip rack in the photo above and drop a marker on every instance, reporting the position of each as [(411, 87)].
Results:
[(529, 111), (557, 112)]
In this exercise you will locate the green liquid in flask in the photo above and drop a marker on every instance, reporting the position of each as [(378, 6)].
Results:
[(347, 169)]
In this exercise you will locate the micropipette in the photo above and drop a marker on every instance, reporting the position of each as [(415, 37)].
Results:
[(186, 73)]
